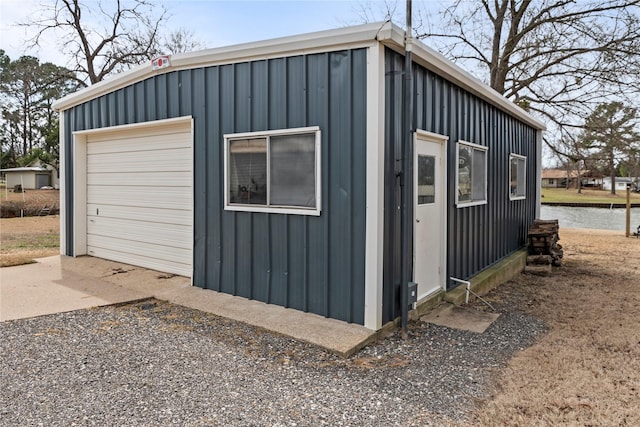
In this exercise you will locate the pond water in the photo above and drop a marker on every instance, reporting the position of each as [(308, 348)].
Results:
[(600, 218)]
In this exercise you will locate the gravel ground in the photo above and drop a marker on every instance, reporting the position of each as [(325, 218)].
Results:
[(154, 363)]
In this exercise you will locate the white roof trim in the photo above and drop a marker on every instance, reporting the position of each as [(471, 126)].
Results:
[(27, 169), (342, 38)]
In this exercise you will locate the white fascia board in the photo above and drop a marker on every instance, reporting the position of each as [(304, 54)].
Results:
[(434, 61), (322, 41)]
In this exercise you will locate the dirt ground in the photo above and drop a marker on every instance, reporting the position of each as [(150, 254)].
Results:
[(23, 239), (585, 371)]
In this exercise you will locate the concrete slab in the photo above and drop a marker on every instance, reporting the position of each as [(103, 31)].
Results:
[(60, 283), (46, 288), (466, 319)]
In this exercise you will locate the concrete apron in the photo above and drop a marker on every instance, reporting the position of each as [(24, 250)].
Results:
[(59, 284)]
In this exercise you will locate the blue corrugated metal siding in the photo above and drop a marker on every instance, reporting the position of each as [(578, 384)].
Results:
[(308, 263), (477, 236)]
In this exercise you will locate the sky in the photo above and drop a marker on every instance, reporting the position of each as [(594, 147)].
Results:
[(214, 22)]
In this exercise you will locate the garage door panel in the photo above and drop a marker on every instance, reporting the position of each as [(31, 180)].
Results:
[(153, 179), (165, 265), (155, 233), (162, 160), (98, 244), (177, 198), (157, 215), (138, 143)]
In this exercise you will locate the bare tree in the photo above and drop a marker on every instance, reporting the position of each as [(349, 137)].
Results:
[(102, 37), (559, 59), (180, 41), (524, 44), (372, 11), (574, 156)]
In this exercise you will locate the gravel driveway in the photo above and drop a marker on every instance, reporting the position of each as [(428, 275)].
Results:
[(158, 364)]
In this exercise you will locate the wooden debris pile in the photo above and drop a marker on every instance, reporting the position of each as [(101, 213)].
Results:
[(544, 249)]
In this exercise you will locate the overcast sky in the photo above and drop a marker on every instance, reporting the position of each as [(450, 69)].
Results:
[(214, 22)]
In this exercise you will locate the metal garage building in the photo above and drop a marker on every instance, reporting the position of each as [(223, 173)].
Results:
[(269, 170)]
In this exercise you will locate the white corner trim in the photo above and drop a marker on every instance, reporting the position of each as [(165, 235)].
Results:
[(374, 216), (538, 164), (79, 194), (63, 187)]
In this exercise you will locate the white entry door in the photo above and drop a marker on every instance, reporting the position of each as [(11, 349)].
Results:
[(429, 213)]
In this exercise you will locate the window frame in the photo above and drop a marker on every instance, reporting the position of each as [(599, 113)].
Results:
[(484, 200), (268, 208), (519, 157)]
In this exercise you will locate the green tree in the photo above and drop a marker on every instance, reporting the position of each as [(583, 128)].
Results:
[(27, 92), (610, 134)]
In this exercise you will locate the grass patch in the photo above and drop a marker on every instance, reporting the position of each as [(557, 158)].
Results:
[(561, 195), (31, 242), (25, 239)]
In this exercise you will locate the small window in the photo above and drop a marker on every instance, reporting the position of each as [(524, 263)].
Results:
[(426, 180), (471, 179), (517, 177), (273, 171)]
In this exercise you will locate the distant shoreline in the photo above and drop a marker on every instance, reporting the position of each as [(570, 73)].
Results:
[(590, 205)]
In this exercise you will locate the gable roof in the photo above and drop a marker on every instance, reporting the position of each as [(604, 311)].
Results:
[(386, 33), (560, 173), (26, 169)]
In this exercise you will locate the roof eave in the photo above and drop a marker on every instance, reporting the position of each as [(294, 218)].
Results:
[(337, 38), (437, 63), (385, 32)]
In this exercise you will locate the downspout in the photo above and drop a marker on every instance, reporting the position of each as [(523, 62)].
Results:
[(406, 179)]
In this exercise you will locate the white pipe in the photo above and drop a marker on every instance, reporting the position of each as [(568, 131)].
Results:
[(466, 282), (469, 291)]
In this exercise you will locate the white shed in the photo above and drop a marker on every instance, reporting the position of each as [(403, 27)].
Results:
[(30, 178)]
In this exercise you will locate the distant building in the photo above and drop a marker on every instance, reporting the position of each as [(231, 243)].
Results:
[(32, 177), (561, 178), (621, 182)]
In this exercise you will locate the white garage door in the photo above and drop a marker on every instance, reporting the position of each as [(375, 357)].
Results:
[(140, 197)]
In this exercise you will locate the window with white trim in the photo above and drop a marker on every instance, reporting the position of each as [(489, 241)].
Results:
[(273, 171), (471, 178), (517, 177)]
